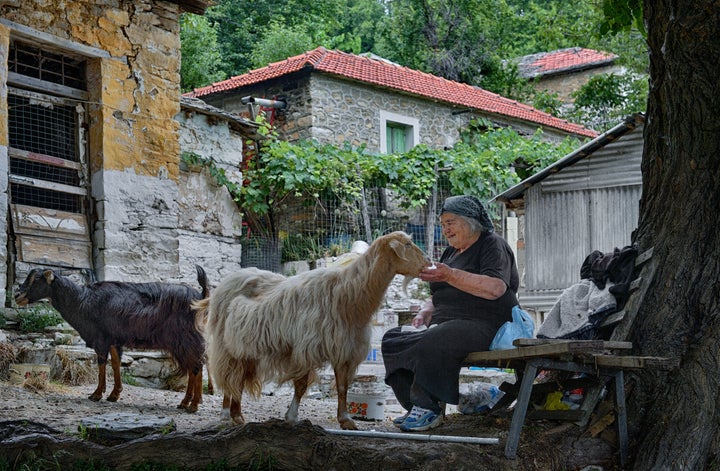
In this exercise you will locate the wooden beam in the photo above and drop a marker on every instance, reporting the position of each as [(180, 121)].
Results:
[(44, 159)]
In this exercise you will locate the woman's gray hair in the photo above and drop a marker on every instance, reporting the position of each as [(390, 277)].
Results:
[(475, 226)]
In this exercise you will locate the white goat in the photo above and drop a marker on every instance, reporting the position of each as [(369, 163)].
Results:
[(262, 327)]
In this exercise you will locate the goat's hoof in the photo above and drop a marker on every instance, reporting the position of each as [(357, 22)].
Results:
[(95, 397), (112, 398), (191, 408)]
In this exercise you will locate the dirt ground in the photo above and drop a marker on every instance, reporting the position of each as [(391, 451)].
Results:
[(47, 421)]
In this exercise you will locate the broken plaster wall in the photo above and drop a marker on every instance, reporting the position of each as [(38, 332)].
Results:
[(133, 136), (210, 223)]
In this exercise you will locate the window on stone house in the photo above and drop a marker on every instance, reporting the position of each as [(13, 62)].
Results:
[(398, 133), (48, 173), (397, 138)]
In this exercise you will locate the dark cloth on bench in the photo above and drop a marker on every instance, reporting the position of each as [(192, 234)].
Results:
[(424, 367)]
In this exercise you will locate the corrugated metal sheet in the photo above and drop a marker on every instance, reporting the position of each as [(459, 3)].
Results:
[(617, 164), (591, 204), (562, 228)]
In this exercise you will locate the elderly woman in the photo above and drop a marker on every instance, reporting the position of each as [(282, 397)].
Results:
[(473, 290)]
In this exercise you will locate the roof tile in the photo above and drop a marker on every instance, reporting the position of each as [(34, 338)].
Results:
[(386, 74)]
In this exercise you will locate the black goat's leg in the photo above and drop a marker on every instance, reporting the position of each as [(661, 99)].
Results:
[(185, 403), (115, 354), (300, 385), (193, 393), (343, 377), (100, 389)]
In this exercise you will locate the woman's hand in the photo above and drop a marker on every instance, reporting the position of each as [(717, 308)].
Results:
[(424, 315), (441, 272)]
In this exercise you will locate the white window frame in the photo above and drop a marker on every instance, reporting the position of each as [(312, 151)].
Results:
[(412, 137)]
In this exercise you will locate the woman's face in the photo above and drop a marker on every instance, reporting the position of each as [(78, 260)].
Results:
[(457, 231)]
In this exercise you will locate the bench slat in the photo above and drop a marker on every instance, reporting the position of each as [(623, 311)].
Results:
[(629, 361)]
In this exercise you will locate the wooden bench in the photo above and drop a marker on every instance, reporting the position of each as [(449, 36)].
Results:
[(599, 361)]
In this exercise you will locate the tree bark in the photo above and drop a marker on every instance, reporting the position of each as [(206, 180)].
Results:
[(677, 413)]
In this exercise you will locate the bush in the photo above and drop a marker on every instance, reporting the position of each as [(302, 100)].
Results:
[(36, 318)]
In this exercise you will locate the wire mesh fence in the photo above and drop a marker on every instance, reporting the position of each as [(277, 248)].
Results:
[(312, 229)]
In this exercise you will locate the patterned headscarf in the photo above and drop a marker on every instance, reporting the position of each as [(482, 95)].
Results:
[(468, 206)]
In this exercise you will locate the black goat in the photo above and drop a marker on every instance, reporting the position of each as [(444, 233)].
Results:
[(110, 315)]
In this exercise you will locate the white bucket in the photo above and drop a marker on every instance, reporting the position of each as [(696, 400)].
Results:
[(366, 406)]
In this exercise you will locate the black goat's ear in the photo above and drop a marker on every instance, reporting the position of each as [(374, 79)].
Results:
[(49, 276)]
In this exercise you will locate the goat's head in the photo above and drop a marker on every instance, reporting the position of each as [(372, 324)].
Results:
[(35, 287), (409, 259)]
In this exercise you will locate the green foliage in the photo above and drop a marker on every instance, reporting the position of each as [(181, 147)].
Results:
[(548, 102), (606, 99), (488, 160), (202, 61), (485, 161), (301, 247), (279, 43), (128, 378), (622, 15), (35, 318)]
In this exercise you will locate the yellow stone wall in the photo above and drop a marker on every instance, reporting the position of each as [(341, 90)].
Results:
[(136, 89)]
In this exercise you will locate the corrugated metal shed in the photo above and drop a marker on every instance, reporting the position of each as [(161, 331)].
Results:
[(588, 200)]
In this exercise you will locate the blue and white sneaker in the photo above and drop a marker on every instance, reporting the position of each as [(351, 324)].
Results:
[(398, 421), (420, 420)]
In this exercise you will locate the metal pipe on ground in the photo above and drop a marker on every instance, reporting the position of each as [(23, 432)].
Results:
[(414, 436)]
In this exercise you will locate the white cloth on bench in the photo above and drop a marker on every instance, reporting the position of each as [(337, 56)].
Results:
[(576, 309)]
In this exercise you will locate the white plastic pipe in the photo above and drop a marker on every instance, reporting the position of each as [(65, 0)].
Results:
[(414, 436)]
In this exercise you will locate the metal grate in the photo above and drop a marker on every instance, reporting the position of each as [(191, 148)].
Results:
[(45, 198), (41, 64), (43, 127)]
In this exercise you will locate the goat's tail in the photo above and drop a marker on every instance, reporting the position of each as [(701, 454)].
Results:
[(202, 279), (201, 308)]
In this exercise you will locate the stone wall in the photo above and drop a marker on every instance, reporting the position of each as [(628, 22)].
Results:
[(151, 220), (565, 84), (210, 223), (337, 111)]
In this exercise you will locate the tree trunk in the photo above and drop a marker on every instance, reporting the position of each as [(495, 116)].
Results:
[(677, 412)]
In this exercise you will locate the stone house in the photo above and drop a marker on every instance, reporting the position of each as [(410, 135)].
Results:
[(564, 71), (337, 97), (588, 200), (92, 127)]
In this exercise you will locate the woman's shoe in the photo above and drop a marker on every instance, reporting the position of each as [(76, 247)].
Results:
[(398, 421), (420, 420)]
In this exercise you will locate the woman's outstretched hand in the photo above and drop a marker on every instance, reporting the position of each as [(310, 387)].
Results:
[(441, 272)]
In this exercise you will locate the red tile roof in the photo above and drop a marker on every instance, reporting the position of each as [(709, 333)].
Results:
[(386, 74), (563, 60)]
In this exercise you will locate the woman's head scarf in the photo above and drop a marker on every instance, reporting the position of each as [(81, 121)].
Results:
[(468, 206)]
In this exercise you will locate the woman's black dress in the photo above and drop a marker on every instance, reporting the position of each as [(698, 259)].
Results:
[(423, 368)]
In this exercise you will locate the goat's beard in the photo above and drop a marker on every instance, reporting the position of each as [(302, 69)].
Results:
[(405, 283)]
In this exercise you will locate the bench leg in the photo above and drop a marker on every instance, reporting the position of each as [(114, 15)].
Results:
[(518, 417), (621, 416)]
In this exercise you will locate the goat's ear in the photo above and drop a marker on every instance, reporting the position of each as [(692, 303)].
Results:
[(398, 247), (49, 276)]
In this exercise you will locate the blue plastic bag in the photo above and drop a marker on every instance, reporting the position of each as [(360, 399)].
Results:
[(521, 327)]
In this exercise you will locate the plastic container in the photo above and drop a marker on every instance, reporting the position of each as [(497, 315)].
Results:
[(367, 406)]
